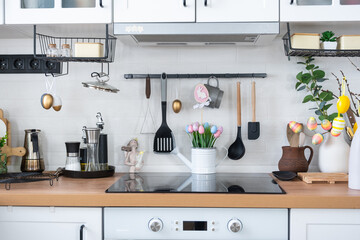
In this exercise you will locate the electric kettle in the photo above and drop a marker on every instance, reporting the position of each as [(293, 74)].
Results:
[(33, 160)]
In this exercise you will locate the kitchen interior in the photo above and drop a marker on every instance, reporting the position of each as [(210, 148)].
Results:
[(215, 70)]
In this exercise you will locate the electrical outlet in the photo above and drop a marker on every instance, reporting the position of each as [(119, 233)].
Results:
[(27, 64)]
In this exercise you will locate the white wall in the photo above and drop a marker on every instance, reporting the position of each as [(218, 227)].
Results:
[(277, 102)]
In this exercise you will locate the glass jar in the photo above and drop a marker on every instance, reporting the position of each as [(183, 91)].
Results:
[(52, 51), (65, 50)]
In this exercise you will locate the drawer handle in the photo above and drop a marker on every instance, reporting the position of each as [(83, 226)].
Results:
[(82, 232), (101, 4), (184, 3), (205, 3), (291, 2)]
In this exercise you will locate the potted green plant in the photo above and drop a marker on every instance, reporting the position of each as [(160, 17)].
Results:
[(328, 40), (3, 157)]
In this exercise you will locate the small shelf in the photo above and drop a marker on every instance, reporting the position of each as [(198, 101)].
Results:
[(43, 41), (296, 52)]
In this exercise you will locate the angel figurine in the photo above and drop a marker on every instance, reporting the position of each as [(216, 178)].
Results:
[(133, 158)]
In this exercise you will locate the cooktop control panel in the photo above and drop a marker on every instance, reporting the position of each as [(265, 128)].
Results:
[(195, 223), (27, 64)]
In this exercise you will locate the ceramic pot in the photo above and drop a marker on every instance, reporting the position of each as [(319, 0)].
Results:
[(334, 155), (329, 45), (354, 161), (293, 159)]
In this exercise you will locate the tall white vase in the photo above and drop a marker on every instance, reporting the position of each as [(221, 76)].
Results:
[(334, 155), (354, 161)]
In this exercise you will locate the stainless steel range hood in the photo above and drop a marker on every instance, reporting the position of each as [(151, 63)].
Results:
[(244, 33)]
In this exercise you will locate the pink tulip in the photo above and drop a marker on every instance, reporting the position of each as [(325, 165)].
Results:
[(217, 134), (195, 127), (221, 129), (190, 129), (201, 129)]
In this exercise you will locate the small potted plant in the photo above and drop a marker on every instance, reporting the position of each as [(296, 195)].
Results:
[(328, 40)]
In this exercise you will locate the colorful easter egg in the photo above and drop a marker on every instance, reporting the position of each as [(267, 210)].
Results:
[(335, 133), (311, 123), (326, 125), (338, 124), (317, 139), (343, 104), (295, 127)]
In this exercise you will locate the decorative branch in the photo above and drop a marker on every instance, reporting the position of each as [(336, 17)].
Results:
[(351, 93), (357, 68), (338, 81)]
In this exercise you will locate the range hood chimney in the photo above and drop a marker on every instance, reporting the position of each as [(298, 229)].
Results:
[(242, 33)]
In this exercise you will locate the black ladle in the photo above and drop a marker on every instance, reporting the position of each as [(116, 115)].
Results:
[(237, 149)]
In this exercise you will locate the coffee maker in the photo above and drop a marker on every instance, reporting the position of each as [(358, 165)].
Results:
[(33, 160)]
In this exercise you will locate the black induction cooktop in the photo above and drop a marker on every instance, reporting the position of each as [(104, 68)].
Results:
[(236, 183)]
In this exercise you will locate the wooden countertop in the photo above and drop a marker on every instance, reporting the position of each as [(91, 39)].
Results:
[(91, 193)]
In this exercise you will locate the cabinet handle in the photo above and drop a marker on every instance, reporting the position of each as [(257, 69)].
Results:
[(100, 3), (184, 3), (82, 232), (205, 3), (291, 2)]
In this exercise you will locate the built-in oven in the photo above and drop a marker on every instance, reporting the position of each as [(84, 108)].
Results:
[(195, 223)]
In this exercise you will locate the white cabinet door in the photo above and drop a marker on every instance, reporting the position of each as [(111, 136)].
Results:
[(127, 11), (324, 224), (57, 11), (319, 10), (237, 10), (2, 12), (55, 223)]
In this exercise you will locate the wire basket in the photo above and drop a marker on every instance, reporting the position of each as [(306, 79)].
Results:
[(42, 41)]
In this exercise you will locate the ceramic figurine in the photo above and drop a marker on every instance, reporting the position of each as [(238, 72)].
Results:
[(133, 158)]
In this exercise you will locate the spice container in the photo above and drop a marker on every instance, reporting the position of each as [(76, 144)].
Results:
[(52, 51), (72, 156), (66, 50), (348, 42), (91, 50)]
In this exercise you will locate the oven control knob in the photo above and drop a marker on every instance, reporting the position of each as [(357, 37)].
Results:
[(155, 225), (235, 225)]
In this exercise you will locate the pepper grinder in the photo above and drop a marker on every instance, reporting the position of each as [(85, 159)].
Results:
[(83, 150), (103, 146)]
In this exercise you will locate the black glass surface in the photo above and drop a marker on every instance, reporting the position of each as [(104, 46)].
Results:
[(236, 183)]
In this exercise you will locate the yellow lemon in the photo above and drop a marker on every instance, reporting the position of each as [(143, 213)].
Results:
[(343, 104)]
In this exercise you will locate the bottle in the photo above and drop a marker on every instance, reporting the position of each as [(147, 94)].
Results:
[(83, 151), (52, 51), (72, 156), (65, 50), (92, 140), (103, 152)]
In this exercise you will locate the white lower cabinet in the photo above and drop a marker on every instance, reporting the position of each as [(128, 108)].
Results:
[(55, 223), (324, 224)]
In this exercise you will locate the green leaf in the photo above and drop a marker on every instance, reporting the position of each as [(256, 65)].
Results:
[(332, 117), (319, 74), (312, 86), (309, 67), (322, 79), (322, 117), (318, 112), (299, 76), (326, 107), (301, 63), (329, 97), (297, 85), (323, 95), (307, 98), (301, 88), (322, 105), (317, 67), (313, 108), (306, 78)]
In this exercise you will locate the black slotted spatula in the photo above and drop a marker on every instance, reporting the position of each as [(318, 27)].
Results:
[(163, 141), (253, 127)]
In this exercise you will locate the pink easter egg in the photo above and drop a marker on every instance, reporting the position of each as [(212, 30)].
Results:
[(326, 125), (317, 139), (311, 124), (335, 133)]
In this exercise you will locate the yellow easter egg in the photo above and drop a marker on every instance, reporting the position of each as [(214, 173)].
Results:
[(311, 123), (343, 104), (355, 127), (326, 125), (317, 139)]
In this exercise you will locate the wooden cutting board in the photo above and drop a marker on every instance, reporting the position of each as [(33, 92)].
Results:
[(7, 149), (323, 177)]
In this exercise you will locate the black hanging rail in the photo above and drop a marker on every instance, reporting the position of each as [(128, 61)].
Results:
[(207, 75)]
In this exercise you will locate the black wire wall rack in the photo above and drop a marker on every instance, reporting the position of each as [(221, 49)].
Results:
[(192, 76)]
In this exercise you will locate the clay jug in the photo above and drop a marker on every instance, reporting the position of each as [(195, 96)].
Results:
[(293, 159)]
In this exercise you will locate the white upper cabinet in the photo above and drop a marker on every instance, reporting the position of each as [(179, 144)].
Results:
[(57, 11), (237, 10), (128, 11), (319, 10), (2, 12)]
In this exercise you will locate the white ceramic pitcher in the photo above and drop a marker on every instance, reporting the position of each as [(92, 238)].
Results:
[(203, 160)]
